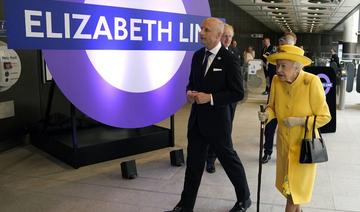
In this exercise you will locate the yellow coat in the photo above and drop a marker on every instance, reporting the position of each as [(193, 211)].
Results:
[(304, 97)]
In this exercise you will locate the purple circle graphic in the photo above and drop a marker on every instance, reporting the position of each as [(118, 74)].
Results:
[(328, 83), (90, 93)]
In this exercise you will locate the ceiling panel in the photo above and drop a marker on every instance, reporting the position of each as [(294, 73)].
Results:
[(344, 9), (250, 8), (298, 13)]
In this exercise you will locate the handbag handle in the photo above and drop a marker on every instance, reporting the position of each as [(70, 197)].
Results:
[(313, 132), (306, 123)]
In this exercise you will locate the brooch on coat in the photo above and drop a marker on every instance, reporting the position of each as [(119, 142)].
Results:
[(306, 81), (219, 58)]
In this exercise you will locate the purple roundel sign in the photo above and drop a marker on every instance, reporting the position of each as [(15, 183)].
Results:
[(327, 84), (136, 65)]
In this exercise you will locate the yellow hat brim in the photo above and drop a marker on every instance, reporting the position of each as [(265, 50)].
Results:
[(288, 56)]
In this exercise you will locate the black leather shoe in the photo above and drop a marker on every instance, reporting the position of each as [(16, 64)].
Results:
[(180, 209), (210, 168), (241, 206), (265, 158)]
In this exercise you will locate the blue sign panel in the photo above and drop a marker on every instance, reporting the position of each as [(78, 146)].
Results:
[(67, 25)]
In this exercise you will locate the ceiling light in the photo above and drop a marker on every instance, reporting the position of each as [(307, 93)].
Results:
[(315, 14), (274, 7), (317, 8), (280, 13), (282, 17), (272, 1), (319, 1)]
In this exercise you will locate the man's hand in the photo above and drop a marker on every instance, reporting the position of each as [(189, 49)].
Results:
[(294, 121), (190, 95), (263, 116), (202, 98)]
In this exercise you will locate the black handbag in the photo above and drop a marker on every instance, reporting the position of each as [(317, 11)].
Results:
[(313, 150)]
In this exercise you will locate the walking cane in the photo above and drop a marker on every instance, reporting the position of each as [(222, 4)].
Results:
[(262, 126)]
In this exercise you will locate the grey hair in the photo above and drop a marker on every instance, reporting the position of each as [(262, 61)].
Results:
[(287, 40), (298, 66), (219, 24)]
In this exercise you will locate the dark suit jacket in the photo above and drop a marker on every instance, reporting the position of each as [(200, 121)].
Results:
[(267, 51), (236, 52), (335, 58), (270, 67), (226, 86)]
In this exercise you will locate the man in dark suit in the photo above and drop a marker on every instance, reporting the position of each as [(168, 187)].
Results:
[(215, 82), (236, 51), (226, 39), (268, 68), (334, 58)]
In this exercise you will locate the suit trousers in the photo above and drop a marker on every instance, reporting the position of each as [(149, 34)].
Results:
[(195, 162), (270, 129), (271, 126), (271, 73), (211, 157)]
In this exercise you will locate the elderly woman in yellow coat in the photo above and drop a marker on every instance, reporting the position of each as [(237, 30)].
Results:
[(294, 95)]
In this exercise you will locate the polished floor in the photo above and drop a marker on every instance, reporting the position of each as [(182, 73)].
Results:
[(33, 181)]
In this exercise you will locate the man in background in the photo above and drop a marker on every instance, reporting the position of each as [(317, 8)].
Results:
[(334, 58), (267, 50), (235, 50), (226, 39)]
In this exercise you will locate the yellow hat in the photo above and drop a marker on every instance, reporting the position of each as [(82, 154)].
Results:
[(289, 52)]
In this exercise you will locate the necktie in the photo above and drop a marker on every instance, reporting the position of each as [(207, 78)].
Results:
[(205, 62)]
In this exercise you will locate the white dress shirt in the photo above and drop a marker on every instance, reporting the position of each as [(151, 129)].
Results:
[(211, 58)]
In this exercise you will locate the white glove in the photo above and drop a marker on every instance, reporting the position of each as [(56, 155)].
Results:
[(294, 121), (263, 116)]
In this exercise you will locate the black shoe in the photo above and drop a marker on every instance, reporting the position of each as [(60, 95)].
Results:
[(210, 168), (241, 206), (180, 209), (265, 158), (265, 93)]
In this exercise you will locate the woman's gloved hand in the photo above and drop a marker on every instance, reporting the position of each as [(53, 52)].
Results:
[(294, 121), (263, 116)]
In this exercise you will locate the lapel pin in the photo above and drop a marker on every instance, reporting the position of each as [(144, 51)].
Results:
[(219, 58)]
